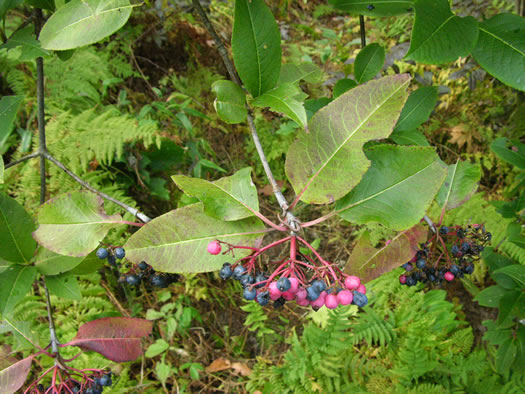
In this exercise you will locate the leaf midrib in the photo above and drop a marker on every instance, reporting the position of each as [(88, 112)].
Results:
[(259, 74), (12, 288), (451, 184), (12, 235), (421, 102), (503, 41), (433, 33)]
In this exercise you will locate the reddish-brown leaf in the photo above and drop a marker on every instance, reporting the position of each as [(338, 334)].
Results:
[(14, 376), (219, 364), (116, 338), (368, 262)]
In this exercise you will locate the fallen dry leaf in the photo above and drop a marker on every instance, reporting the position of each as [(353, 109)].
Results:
[(461, 135), (220, 364), (268, 190), (241, 368)]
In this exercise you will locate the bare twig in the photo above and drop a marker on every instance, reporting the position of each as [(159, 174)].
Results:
[(22, 159), (133, 211), (41, 115), (362, 30), (292, 221), (52, 331), (430, 223)]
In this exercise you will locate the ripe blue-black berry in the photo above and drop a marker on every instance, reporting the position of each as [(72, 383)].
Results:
[(284, 284), (238, 272), (454, 250), (370, 7), (279, 302), (106, 380), (407, 266), (465, 247), (421, 263), (454, 269), (143, 265), (260, 278), (120, 253), (246, 280), (431, 278), (112, 261), (172, 278), (133, 280), (460, 233), (411, 281), (488, 236), (249, 294), (443, 230), (468, 269), (102, 253), (319, 285), (263, 298), (158, 281), (312, 293), (360, 299), (226, 271)]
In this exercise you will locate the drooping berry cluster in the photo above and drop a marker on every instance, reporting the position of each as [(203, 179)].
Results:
[(77, 381), (449, 254), (111, 254), (148, 276), (309, 280)]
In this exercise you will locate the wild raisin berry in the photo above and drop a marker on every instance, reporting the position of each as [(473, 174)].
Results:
[(249, 294), (420, 263), (246, 280), (443, 230), (214, 248), (284, 284), (132, 280), (238, 272), (226, 271), (360, 299), (102, 253), (143, 265), (120, 253)]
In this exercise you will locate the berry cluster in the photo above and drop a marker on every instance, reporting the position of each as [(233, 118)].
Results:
[(77, 382), (111, 254), (310, 281), (147, 274), (449, 254)]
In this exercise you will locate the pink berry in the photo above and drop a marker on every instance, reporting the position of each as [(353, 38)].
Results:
[(345, 297), (449, 276), (402, 279), (294, 285), (303, 302), (320, 301), (288, 295), (214, 247), (361, 289), (331, 301), (352, 282), (275, 293), (301, 294)]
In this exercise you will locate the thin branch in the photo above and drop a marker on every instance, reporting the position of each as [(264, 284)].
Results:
[(362, 30), (41, 114), (430, 223), (133, 211), (293, 222), (22, 159), (52, 331)]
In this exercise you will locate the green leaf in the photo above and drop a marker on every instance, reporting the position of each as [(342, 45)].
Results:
[(73, 224), (313, 105), (283, 99), (6, 5), (512, 152), (160, 346), (256, 46), (397, 189), (518, 240), (16, 226), (15, 283), (381, 8), (493, 260), (418, 108), (439, 36), (490, 296), (342, 86), (8, 108), (84, 22), (89, 264), (163, 372), (230, 103), (64, 285), (369, 263), (507, 304), (294, 73), (229, 198), (1, 170), (25, 40), (50, 263), (461, 183), (369, 62), (409, 137), (23, 335), (515, 271), (177, 240), (326, 163), (501, 48), (506, 355), (43, 4)]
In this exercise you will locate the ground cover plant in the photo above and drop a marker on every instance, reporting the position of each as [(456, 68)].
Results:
[(246, 196)]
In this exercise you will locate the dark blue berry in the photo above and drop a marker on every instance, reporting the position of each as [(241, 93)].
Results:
[(460, 233), (246, 280), (158, 281), (172, 278), (319, 285), (112, 261), (249, 294), (411, 281), (279, 302), (370, 7), (454, 250), (359, 299), (468, 269), (488, 236), (260, 278), (454, 269), (443, 230), (263, 298), (132, 280), (143, 265), (102, 253), (120, 253), (465, 247), (408, 267), (283, 284), (105, 380), (226, 271), (431, 278), (238, 272), (421, 263), (312, 293)]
